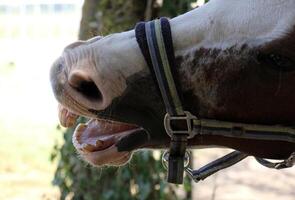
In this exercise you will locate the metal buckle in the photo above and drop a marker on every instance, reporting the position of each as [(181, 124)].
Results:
[(188, 117)]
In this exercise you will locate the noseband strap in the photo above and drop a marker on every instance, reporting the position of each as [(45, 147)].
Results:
[(160, 56), (155, 41)]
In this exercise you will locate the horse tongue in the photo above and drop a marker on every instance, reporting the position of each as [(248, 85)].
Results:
[(89, 138), (97, 135)]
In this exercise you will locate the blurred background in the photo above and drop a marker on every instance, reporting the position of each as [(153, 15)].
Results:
[(32, 35), (37, 159)]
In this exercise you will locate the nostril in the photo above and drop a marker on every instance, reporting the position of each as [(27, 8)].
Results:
[(89, 89), (84, 85)]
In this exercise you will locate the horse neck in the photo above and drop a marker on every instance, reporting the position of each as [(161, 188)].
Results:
[(222, 24)]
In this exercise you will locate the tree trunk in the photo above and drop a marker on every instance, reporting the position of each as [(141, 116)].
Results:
[(88, 26)]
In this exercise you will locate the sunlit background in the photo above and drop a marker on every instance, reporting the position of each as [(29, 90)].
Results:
[(32, 34)]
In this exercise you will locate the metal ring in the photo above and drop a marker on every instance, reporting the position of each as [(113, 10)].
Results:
[(165, 159)]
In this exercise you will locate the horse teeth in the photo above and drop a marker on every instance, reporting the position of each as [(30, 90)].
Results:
[(81, 127), (89, 147), (98, 143), (62, 115), (66, 118), (71, 119)]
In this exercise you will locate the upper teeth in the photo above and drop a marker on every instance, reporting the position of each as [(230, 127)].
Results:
[(66, 118)]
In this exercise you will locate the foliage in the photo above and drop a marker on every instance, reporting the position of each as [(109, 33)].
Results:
[(175, 7), (144, 178)]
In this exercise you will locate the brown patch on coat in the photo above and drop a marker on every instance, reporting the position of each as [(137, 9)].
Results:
[(236, 85)]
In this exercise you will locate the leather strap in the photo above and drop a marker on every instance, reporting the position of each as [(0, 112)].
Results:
[(161, 60), (242, 130)]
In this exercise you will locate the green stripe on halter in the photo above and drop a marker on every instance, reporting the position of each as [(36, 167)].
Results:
[(243, 130), (246, 127), (167, 71)]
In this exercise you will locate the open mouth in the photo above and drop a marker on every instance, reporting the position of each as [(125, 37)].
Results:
[(97, 134)]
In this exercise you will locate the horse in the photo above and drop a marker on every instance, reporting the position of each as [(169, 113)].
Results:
[(235, 62)]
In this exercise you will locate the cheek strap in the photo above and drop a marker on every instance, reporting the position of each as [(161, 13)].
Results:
[(155, 41)]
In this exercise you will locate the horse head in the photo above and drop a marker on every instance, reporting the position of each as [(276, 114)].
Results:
[(235, 62)]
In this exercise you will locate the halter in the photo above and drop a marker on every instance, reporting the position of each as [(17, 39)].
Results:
[(155, 41)]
